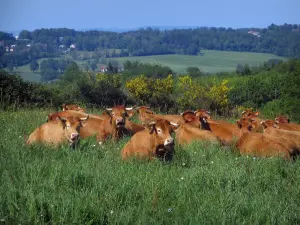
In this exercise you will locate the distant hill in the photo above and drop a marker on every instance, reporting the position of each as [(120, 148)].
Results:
[(280, 40)]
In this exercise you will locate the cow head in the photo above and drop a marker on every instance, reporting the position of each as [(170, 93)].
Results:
[(249, 113), (162, 141), (202, 112), (282, 119), (191, 118), (72, 107), (246, 124), (118, 115), (71, 126), (268, 123), (145, 114)]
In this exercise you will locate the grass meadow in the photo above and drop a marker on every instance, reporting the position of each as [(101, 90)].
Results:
[(204, 184), (211, 62)]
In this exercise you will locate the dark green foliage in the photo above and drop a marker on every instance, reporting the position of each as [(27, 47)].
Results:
[(194, 71), (34, 66), (133, 68), (281, 40), (17, 93)]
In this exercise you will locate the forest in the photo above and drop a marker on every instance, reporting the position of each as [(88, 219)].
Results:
[(281, 40)]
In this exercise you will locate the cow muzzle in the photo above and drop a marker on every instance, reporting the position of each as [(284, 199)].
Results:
[(169, 141), (74, 137), (120, 122)]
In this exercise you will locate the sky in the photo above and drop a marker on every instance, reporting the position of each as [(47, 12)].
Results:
[(17, 15)]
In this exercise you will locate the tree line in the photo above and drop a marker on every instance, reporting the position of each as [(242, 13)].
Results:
[(283, 40)]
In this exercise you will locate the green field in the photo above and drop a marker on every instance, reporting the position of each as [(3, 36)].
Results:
[(204, 184), (211, 62)]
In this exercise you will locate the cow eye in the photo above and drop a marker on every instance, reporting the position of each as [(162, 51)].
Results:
[(113, 114), (158, 131)]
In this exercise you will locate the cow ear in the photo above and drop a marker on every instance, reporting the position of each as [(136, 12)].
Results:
[(174, 126), (264, 125), (108, 111), (238, 123), (256, 113), (151, 127), (130, 112)]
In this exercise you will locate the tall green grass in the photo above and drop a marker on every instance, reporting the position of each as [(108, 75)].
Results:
[(204, 184)]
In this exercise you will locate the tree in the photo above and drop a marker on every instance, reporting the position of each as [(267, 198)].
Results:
[(72, 73), (10, 67), (93, 66), (193, 71), (34, 65)]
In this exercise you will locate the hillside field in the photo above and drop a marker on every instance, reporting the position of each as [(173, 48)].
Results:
[(211, 62), (204, 184)]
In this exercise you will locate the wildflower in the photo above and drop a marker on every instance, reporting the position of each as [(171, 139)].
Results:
[(169, 210), (111, 211), (94, 145), (181, 178), (2, 220), (254, 158), (212, 162), (183, 164)]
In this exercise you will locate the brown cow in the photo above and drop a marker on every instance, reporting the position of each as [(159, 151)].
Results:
[(116, 124), (190, 130), (283, 126), (249, 113), (57, 132), (72, 107), (146, 115), (257, 144), (272, 130), (282, 119), (203, 113), (225, 131), (133, 127), (55, 116), (154, 141), (112, 123)]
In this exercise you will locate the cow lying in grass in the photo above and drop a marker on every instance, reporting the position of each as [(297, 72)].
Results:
[(64, 130), (154, 141)]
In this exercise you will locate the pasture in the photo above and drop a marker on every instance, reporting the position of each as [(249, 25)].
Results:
[(211, 62), (204, 184)]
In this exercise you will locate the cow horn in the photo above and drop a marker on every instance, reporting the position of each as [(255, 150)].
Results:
[(243, 112), (109, 109), (174, 124), (152, 123), (262, 122), (129, 108), (84, 118)]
